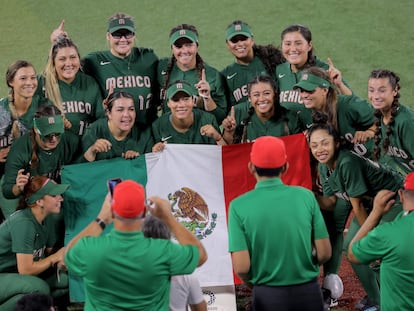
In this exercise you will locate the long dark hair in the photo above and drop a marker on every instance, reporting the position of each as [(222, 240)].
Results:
[(394, 80), (307, 35), (268, 54), (279, 112)]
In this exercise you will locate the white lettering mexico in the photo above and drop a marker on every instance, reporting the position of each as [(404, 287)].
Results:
[(128, 82)]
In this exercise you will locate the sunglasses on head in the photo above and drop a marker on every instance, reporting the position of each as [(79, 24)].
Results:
[(51, 136), (118, 35), (238, 38)]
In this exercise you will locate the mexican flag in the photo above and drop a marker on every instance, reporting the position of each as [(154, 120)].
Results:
[(198, 180)]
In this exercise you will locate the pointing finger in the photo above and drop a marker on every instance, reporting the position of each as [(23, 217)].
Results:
[(330, 63), (62, 25), (203, 74)]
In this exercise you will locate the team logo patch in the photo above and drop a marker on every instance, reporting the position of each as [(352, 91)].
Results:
[(121, 21), (182, 32), (51, 120), (237, 27), (305, 76), (192, 212), (179, 85)]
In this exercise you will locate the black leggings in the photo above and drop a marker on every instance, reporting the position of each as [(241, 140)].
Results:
[(302, 297)]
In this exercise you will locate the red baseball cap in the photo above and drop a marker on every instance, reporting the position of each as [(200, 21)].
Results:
[(409, 182), (128, 200), (268, 152)]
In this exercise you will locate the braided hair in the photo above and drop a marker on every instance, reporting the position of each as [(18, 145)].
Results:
[(394, 80)]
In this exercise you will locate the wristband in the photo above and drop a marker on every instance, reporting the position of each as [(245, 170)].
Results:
[(100, 223)]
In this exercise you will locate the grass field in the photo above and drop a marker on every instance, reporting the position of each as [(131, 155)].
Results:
[(358, 35)]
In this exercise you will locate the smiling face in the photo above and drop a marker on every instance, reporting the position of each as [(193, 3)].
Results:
[(24, 83), (181, 105), (122, 114), (67, 64), (323, 146), (121, 43), (185, 52), (381, 93), (295, 48), (242, 48), (315, 99), (262, 98)]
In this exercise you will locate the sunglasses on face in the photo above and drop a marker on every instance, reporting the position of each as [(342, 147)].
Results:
[(118, 35), (50, 137), (236, 39)]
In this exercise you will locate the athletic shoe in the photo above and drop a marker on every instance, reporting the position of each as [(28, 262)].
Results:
[(366, 304), (328, 301)]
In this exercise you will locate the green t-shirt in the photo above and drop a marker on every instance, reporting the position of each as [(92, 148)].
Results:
[(21, 233), (137, 140), (126, 271), (213, 77), (236, 77), (136, 74), (50, 161), (400, 153), (392, 243), (82, 101), (285, 125), (261, 221), (162, 129)]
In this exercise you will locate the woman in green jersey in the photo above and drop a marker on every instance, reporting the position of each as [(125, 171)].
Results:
[(262, 115), (297, 48), (17, 110), (187, 64), (250, 61), (395, 122), (124, 67), (346, 175), (117, 135), (76, 94), (28, 261), (183, 124)]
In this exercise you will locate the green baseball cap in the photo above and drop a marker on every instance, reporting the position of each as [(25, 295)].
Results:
[(238, 29), (183, 33), (121, 23), (179, 86), (50, 187), (310, 82), (49, 125)]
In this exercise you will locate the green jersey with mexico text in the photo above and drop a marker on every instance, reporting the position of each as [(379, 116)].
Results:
[(400, 152), (82, 101), (237, 77), (135, 74)]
